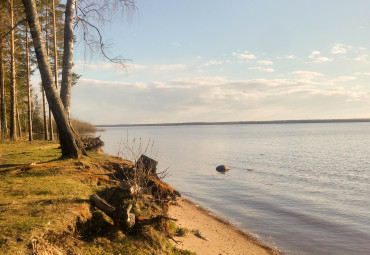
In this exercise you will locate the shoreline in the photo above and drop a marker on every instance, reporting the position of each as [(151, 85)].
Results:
[(59, 190), (202, 123), (220, 237)]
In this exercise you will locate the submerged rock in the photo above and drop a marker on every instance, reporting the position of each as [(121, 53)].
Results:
[(222, 168)]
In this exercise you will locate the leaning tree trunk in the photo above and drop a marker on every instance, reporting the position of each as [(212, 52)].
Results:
[(70, 143), (65, 88), (13, 97)]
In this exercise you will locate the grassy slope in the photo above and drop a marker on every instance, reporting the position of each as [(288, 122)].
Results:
[(43, 197)]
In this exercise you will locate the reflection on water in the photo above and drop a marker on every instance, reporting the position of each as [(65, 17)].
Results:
[(301, 187)]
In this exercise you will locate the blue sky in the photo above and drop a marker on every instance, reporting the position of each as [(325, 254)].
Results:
[(228, 61)]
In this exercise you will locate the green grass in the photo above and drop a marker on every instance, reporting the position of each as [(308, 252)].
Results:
[(43, 197)]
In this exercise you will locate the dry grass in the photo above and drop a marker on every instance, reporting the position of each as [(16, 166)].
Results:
[(83, 127), (43, 201)]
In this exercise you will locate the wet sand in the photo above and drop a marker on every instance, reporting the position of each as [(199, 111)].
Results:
[(215, 235)]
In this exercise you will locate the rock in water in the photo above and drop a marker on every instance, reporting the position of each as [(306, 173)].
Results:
[(222, 168)]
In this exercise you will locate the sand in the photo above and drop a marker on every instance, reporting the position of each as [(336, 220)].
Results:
[(221, 237)]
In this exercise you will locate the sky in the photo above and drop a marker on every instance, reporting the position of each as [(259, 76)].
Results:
[(237, 60)]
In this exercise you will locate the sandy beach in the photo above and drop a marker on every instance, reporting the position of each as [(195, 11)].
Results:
[(215, 236)]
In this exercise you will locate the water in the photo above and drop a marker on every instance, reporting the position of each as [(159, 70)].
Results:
[(303, 188)]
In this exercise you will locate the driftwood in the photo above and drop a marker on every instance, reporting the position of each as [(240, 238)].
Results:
[(120, 216)]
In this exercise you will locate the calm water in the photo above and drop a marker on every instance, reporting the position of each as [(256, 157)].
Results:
[(303, 188)]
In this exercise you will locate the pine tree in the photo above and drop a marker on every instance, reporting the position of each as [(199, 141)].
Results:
[(13, 92)]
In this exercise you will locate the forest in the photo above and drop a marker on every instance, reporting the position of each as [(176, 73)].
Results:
[(24, 107)]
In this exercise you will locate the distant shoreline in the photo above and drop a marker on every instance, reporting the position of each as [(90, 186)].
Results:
[(238, 123)]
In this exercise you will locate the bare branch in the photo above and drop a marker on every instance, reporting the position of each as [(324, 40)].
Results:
[(89, 13), (15, 26), (91, 41)]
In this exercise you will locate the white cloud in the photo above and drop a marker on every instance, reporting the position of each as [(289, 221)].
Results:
[(314, 54), (211, 63), (198, 81), (216, 98), (131, 66), (362, 58), (344, 79), (359, 50), (265, 63), (307, 75), (100, 66), (262, 69), (169, 67), (291, 57), (338, 49), (322, 59), (127, 67), (109, 84), (243, 56), (362, 73)]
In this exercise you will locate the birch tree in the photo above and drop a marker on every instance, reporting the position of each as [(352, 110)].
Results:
[(87, 13), (60, 105), (70, 143), (66, 84)]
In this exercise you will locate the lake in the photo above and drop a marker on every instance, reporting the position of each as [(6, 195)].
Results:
[(303, 188)]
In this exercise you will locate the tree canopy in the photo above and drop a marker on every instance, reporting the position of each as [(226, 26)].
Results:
[(52, 55)]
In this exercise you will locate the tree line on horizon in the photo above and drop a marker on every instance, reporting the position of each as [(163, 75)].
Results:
[(51, 26)]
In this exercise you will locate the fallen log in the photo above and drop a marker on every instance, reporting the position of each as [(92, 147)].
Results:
[(120, 216)]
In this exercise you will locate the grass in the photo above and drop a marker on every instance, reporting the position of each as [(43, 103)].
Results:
[(44, 200)]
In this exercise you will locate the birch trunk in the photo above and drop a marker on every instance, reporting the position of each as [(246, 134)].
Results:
[(65, 89), (70, 143), (46, 129)]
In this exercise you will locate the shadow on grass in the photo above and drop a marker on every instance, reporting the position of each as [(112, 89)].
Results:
[(59, 201)]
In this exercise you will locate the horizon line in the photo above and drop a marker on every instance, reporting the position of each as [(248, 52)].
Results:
[(208, 123)]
